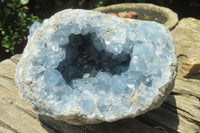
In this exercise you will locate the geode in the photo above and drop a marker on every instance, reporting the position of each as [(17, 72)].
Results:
[(86, 67)]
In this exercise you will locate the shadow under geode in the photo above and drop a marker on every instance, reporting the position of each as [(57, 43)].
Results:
[(160, 120), (194, 72)]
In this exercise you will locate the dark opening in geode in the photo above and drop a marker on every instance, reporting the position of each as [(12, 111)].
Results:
[(83, 58)]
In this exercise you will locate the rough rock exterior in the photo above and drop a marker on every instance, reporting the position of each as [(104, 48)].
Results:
[(86, 67)]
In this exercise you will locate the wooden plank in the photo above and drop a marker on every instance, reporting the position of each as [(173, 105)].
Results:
[(15, 115), (180, 111)]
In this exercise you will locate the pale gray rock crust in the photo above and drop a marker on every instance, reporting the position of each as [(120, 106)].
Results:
[(86, 67)]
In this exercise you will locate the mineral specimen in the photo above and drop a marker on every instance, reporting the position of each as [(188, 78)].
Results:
[(86, 67)]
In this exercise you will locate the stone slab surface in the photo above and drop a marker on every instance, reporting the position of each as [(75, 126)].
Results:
[(180, 112), (187, 39)]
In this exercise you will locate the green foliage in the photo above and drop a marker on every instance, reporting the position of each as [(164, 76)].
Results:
[(101, 3), (109, 2), (15, 21)]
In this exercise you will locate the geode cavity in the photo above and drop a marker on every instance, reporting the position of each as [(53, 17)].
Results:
[(87, 67)]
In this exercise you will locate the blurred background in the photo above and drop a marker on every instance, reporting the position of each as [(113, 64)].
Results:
[(16, 16)]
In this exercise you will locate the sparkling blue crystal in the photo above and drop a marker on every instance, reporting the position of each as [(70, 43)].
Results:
[(96, 67)]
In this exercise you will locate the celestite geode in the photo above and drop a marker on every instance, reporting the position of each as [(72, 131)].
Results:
[(87, 67)]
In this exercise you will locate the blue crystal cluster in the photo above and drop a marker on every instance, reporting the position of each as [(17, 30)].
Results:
[(88, 64)]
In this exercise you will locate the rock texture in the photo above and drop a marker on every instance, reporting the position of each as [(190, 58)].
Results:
[(94, 67), (187, 47), (179, 112)]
